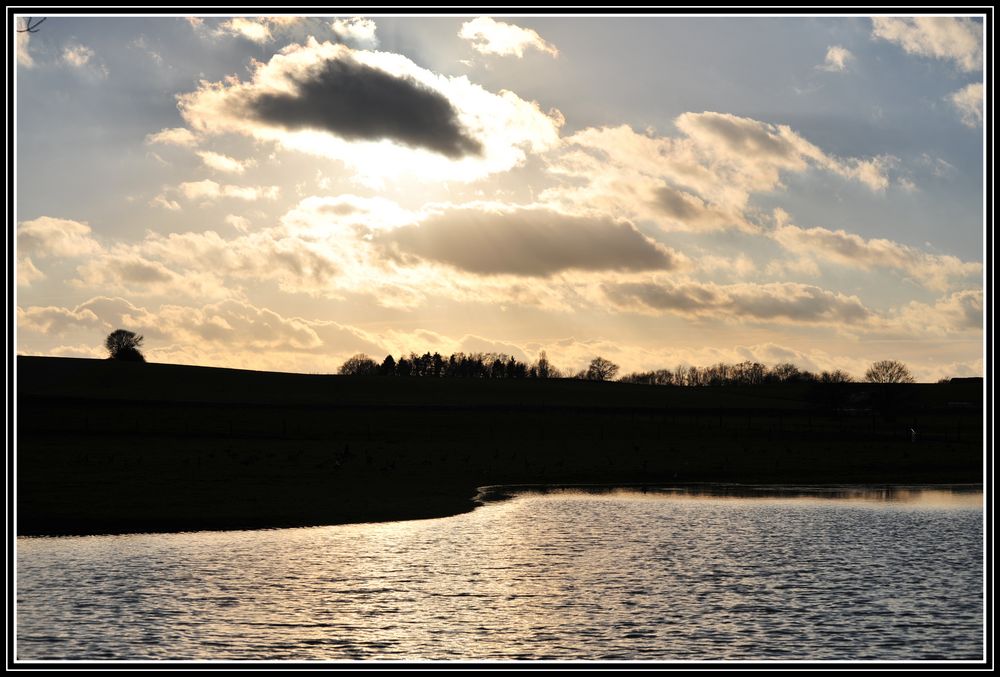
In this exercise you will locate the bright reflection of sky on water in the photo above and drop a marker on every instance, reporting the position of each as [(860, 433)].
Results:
[(562, 576)]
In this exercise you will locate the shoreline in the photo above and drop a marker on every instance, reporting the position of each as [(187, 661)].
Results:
[(499, 493), (106, 447)]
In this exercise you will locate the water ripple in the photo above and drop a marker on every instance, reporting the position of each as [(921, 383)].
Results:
[(554, 576)]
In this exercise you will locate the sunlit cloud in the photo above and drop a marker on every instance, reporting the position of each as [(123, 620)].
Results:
[(240, 223), (956, 314), (837, 59), (176, 136), (224, 163), (164, 202), (255, 29), (77, 56), (775, 301), (700, 181), (52, 237), (357, 31), (969, 102), (210, 190), (24, 57), (938, 272), (955, 39), (378, 112), (27, 272), (489, 36)]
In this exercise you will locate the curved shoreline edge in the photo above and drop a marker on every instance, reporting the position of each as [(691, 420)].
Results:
[(495, 493)]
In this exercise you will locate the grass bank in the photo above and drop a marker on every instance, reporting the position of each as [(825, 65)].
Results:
[(111, 447)]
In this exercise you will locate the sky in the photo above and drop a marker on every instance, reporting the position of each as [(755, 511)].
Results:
[(284, 192)]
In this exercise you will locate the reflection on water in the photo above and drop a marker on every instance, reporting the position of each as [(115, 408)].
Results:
[(625, 575), (944, 496)]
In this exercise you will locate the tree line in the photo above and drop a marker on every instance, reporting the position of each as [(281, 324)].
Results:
[(504, 366), (124, 345)]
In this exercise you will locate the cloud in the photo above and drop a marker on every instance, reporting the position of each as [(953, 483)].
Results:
[(956, 39), (837, 58), (957, 314), (176, 136), (254, 29), (77, 56), (230, 324), (356, 30), (239, 325), (739, 266), (240, 223), (699, 181), (777, 301), (55, 320), (526, 242), (210, 190), (224, 163), (934, 271), (496, 37), (162, 201), (969, 102), (763, 150), (379, 112), (685, 211), (123, 270), (359, 102), (24, 57), (27, 272), (142, 44), (210, 266), (47, 236)]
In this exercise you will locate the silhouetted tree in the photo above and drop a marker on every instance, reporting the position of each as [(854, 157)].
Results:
[(124, 345), (542, 368), (783, 373), (601, 370), (31, 26), (835, 376), (404, 367), (359, 365), (388, 367), (888, 371)]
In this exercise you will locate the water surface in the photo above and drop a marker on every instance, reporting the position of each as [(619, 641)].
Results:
[(710, 574)]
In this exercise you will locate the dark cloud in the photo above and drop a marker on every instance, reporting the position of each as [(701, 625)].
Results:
[(674, 203), (358, 102), (794, 302), (971, 304), (527, 242)]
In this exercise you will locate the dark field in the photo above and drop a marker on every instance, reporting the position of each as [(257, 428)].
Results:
[(105, 447)]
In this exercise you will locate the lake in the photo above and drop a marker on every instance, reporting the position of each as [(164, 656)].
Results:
[(718, 573)]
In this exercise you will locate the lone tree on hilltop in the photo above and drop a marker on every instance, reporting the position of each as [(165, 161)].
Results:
[(601, 370), (124, 345), (888, 371)]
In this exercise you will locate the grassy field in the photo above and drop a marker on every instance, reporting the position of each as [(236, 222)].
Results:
[(106, 447)]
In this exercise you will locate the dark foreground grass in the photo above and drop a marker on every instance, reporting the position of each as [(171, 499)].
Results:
[(106, 447)]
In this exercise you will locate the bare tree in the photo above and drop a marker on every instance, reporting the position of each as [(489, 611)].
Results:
[(601, 370), (124, 345), (359, 365), (888, 371), (31, 26), (835, 376)]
